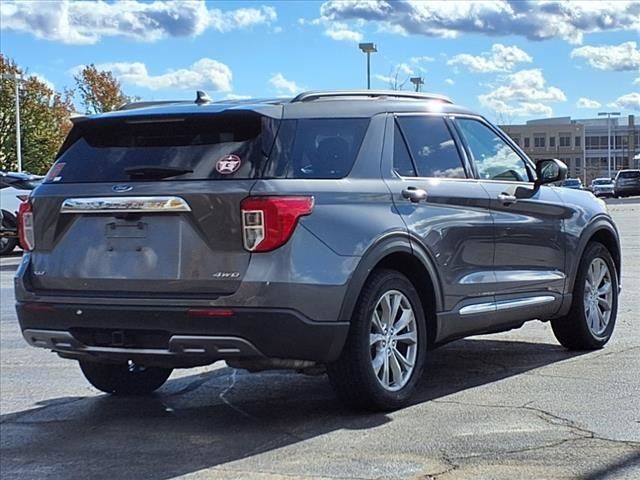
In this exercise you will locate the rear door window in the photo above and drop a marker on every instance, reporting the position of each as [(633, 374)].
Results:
[(317, 148), (431, 146), (198, 147)]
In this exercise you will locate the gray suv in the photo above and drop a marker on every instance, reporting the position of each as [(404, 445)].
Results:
[(352, 231)]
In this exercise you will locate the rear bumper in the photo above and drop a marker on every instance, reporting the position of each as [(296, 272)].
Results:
[(178, 336)]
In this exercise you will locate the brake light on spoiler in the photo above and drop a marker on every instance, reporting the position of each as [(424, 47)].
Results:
[(269, 222)]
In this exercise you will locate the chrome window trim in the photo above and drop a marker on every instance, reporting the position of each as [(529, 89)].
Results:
[(151, 204)]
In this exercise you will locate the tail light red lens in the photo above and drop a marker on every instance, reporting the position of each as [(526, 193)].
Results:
[(25, 226), (269, 222)]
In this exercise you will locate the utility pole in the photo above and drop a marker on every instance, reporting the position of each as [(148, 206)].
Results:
[(368, 48), (17, 78), (609, 115)]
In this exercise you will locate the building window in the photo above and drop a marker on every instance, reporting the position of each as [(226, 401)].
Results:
[(539, 140), (515, 137), (565, 139), (552, 141), (593, 143), (578, 141), (526, 142), (578, 160)]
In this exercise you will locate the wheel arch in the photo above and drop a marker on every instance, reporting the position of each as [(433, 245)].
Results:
[(603, 231), (395, 252)]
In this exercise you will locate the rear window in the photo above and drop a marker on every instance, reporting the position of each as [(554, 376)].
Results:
[(316, 147), (192, 148), (629, 174)]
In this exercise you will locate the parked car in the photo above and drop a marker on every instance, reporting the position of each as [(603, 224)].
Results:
[(14, 188), (352, 230), (574, 183), (602, 187), (627, 183)]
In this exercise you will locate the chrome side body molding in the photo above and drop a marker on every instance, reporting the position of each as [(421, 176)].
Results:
[(506, 305)]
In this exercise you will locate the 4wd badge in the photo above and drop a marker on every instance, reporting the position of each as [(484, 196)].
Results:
[(228, 164)]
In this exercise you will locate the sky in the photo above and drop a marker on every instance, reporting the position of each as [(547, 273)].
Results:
[(509, 60)]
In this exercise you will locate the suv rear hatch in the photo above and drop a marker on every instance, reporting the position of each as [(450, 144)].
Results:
[(149, 205)]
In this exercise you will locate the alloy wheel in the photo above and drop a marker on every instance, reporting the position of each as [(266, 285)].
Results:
[(393, 340), (598, 296)]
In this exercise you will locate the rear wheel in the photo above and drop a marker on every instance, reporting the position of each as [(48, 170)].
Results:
[(591, 320), (124, 378), (384, 355)]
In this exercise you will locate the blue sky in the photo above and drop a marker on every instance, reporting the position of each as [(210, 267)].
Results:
[(510, 60)]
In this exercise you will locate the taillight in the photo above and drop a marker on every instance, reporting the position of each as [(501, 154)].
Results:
[(268, 222), (25, 226)]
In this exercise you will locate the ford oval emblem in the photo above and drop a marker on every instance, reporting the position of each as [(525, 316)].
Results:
[(122, 188)]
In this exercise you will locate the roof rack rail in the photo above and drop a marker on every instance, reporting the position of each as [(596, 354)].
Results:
[(315, 95), (153, 103)]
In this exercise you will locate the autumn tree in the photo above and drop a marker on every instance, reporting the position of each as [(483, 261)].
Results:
[(44, 120), (99, 90)]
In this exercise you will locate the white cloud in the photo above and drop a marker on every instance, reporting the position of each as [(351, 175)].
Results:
[(384, 78), (44, 80), (206, 73), (342, 33), (283, 85), (76, 22), (636, 81), (523, 93), (501, 59), (234, 96), (404, 69), (623, 57), (535, 20), (422, 59), (630, 101), (449, 81), (587, 103)]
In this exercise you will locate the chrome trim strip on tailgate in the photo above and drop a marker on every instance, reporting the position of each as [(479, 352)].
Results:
[(124, 204)]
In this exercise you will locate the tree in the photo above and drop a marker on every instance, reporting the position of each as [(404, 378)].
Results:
[(99, 90), (44, 120), (394, 80)]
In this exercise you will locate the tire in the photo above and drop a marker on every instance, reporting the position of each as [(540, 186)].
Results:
[(124, 379), (352, 376), (8, 244), (589, 325)]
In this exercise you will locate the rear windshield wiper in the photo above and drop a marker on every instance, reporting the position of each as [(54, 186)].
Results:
[(154, 172)]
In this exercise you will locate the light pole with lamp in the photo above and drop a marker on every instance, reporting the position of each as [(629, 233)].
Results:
[(17, 78), (417, 81), (609, 115), (368, 48)]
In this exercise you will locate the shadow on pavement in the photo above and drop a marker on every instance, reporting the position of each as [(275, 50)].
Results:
[(200, 421)]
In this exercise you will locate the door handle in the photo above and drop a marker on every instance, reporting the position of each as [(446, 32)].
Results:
[(414, 194), (506, 198)]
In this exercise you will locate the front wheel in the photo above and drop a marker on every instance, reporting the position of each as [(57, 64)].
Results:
[(124, 378), (384, 354), (591, 320)]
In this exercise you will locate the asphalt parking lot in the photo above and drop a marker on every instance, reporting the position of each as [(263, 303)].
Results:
[(506, 406)]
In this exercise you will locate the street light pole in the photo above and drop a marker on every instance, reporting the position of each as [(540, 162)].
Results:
[(368, 48), (417, 81), (17, 79), (608, 115)]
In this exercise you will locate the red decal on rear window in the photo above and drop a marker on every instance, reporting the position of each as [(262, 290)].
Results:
[(228, 164), (54, 172)]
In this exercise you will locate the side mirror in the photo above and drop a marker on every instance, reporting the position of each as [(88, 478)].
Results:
[(549, 171)]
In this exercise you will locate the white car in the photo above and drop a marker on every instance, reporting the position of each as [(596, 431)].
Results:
[(602, 187), (14, 187)]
